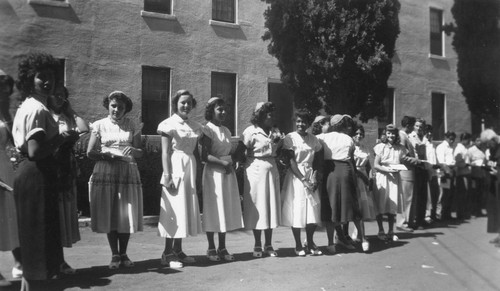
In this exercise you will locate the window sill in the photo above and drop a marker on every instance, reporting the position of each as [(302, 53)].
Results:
[(49, 3), (431, 56), (224, 24), (158, 15)]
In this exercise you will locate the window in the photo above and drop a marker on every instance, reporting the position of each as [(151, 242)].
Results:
[(155, 97), (224, 10), (158, 6), (283, 101), (438, 115), (224, 86), (436, 36)]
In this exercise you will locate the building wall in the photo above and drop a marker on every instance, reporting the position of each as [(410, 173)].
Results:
[(105, 43)]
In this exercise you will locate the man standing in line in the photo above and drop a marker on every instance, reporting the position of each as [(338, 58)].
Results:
[(405, 220), (421, 145), (446, 161)]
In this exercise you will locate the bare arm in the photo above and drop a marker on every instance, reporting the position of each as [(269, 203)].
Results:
[(383, 169), (39, 149), (166, 160), (94, 153)]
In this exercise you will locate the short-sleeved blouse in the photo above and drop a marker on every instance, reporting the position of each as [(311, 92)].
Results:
[(219, 135), (32, 117), (64, 122), (115, 137), (184, 133), (258, 143), (303, 147), (337, 146), (361, 156), (390, 154)]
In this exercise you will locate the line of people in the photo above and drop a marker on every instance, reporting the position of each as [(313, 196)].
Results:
[(329, 179)]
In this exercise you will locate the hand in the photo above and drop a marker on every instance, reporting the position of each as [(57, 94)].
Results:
[(108, 156), (168, 182), (128, 151)]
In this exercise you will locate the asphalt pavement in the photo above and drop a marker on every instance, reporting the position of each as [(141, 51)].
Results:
[(446, 256)]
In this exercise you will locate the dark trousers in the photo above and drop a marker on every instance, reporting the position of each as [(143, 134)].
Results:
[(419, 203), (433, 196), (462, 196)]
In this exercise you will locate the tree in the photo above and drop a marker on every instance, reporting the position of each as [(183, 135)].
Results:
[(334, 54), (476, 40)]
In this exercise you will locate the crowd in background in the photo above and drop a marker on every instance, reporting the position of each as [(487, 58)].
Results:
[(331, 178)]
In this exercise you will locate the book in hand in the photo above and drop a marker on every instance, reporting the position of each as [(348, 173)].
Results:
[(5, 186), (397, 167), (176, 180)]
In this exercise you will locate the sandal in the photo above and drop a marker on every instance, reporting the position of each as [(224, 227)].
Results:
[(115, 262), (314, 250), (365, 246), (65, 269), (171, 261), (223, 253), (184, 258), (381, 236), (257, 252), (212, 255), (126, 262), (300, 252), (269, 250), (392, 236)]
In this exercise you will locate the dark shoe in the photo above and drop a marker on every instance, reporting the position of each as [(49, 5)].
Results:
[(125, 261), (269, 250), (257, 252), (115, 262), (212, 255), (223, 253), (184, 258), (65, 269)]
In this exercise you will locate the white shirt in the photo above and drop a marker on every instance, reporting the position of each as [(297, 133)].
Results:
[(444, 154)]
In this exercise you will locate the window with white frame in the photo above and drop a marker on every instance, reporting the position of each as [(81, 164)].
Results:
[(155, 97), (438, 101), (158, 6), (224, 10), (223, 85), (436, 32)]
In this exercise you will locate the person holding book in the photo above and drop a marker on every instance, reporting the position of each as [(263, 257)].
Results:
[(115, 188), (388, 164), (300, 195)]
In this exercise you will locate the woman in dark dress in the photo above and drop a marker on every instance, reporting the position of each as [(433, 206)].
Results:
[(36, 136)]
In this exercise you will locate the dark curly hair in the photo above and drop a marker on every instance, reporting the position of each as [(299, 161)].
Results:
[(176, 99), (260, 114), (120, 97), (29, 66), (360, 128), (209, 110), (395, 130), (305, 115)]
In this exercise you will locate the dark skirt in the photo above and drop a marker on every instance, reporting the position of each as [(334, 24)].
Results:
[(493, 208), (339, 200), (36, 193)]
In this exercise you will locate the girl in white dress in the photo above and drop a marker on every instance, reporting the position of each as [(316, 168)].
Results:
[(387, 180), (261, 194), (68, 213), (179, 212), (115, 188), (221, 199), (300, 195)]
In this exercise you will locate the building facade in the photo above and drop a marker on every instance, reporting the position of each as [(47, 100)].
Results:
[(151, 48)]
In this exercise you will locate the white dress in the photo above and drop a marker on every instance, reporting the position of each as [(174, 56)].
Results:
[(8, 218), (361, 158), (115, 186), (388, 185), (179, 209), (221, 199), (299, 205), (261, 190)]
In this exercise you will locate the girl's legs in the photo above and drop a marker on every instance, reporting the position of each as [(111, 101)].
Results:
[(169, 242), (391, 218), (113, 244), (268, 243), (211, 242), (296, 236), (222, 251), (17, 270), (361, 229), (222, 240), (123, 239), (379, 223), (310, 229), (257, 233), (330, 227)]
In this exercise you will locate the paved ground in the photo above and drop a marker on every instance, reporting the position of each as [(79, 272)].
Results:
[(456, 256)]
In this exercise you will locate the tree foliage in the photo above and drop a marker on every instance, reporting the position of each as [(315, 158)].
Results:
[(334, 54), (476, 40)]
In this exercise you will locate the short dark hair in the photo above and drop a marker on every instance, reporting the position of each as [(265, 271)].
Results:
[(408, 121), (305, 115), (360, 128), (260, 114), (343, 124), (178, 95), (9, 81), (421, 120), (118, 96), (465, 135), (29, 66), (450, 134), (209, 110)]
